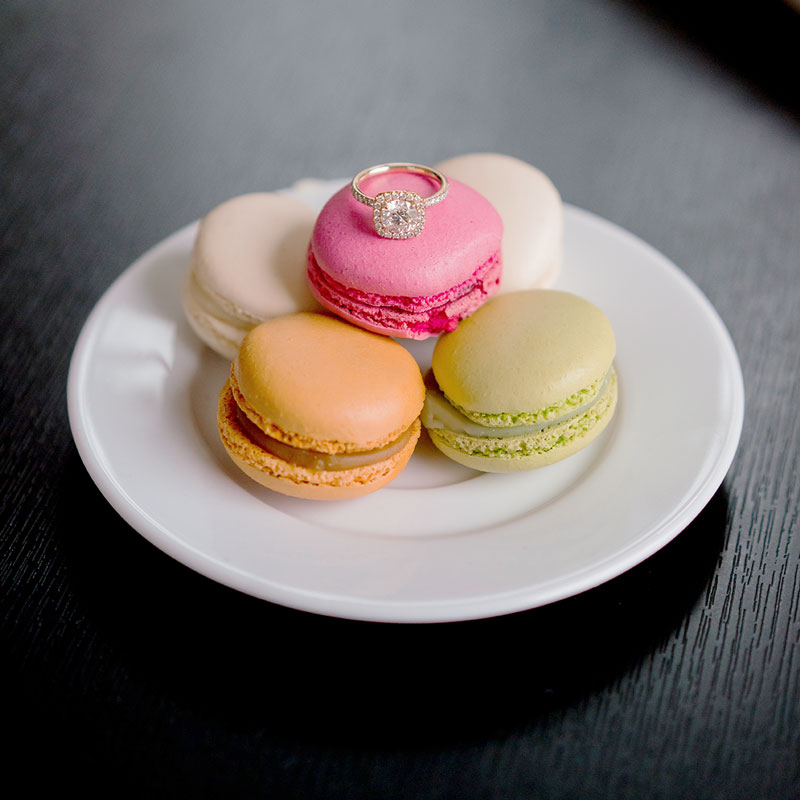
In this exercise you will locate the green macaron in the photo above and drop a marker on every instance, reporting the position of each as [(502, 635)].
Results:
[(527, 380)]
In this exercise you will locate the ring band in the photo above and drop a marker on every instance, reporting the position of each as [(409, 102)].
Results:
[(399, 214)]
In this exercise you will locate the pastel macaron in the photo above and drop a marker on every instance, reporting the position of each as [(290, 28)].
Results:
[(524, 382), (248, 265), (317, 408), (410, 288), (531, 209)]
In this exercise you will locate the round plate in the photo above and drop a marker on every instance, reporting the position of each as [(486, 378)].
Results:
[(441, 542)]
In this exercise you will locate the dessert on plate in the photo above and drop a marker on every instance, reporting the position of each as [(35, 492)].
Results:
[(317, 408), (326, 405), (248, 265), (403, 251), (527, 380)]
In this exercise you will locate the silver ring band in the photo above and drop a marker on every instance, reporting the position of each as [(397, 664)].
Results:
[(416, 169)]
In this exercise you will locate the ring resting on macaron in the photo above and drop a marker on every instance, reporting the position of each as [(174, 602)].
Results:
[(420, 289), (399, 214)]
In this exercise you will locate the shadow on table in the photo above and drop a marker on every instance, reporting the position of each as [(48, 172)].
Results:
[(757, 42), (186, 642)]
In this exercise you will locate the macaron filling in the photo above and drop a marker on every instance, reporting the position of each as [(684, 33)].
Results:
[(542, 417), (423, 315), (313, 459), (462, 432)]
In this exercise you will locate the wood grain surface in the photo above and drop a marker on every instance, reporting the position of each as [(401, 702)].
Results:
[(126, 674)]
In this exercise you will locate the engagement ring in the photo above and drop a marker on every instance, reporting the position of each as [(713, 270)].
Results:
[(399, 214)]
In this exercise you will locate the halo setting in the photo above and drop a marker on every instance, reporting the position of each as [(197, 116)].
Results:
[(398, 214)]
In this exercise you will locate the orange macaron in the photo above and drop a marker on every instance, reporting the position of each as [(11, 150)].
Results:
[(320, 409)]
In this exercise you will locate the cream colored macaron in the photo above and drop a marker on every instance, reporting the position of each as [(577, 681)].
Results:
[(248, 266), (527, 380), (532, 213)]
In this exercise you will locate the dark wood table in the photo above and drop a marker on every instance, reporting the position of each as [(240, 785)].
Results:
[(127, 674)]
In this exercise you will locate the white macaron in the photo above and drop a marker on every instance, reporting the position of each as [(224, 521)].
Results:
[(248, 266)]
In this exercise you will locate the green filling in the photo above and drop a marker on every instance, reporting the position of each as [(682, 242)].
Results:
[(506, 420), (557, 435)]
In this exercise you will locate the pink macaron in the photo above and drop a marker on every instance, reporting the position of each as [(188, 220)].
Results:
[(410, 288)]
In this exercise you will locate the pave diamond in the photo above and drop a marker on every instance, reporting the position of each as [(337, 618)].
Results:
[(398, 215)]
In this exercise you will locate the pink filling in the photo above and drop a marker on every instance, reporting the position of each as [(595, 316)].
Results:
[(414, 317)]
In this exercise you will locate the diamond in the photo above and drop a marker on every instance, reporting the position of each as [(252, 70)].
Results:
[(398, 215)]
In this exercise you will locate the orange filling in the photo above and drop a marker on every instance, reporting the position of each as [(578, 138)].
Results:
[(312, 459)]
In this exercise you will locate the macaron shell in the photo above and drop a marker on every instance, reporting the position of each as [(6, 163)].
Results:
[(313, 380), (295, 481), (524, 351), (221, 336), (461, 233), (546, 447), (248, 265), (532, 213), (410, 318)]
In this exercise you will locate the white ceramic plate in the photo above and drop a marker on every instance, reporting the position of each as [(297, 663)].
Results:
[(442, 542)]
